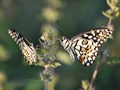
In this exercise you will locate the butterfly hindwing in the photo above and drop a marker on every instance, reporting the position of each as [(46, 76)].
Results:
[(85, 50), (26, 47)]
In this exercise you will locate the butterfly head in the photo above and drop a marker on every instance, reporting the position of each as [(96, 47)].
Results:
[(65, 42)]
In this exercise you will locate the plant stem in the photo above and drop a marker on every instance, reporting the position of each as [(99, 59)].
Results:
[(93, 77), (109, 23), (45, 85)]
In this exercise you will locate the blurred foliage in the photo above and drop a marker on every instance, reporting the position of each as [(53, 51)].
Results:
[(32, 18), (4, 54), (114, 10), (85, 84)]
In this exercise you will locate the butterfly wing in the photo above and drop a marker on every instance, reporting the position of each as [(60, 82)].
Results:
[(85, 50), (26, 47), (86, 45), (98, 35)]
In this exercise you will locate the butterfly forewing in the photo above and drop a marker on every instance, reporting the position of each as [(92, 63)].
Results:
[(99, 36), (26, 47), (85, 45)]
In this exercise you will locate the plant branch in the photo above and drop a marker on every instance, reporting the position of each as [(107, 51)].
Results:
[(109, 23), (45, 85), (93, 77)]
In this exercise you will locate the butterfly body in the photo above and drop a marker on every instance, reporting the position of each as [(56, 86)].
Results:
[(85, 46), (26, 47)]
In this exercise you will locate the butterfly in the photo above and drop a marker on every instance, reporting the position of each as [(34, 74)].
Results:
[(85, 45), (26, 47)]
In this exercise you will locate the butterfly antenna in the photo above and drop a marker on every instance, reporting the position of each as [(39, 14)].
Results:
[(59, 38)]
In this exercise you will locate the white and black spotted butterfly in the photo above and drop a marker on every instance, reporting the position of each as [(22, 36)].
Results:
[(26, 47), (85, 45)]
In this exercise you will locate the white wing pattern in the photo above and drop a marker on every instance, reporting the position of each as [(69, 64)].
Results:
[(85, 46), (26, 47)]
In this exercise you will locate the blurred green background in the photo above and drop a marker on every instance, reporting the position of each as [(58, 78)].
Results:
[(71, 17)]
